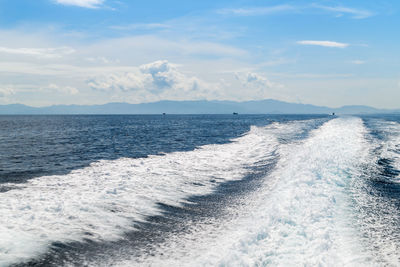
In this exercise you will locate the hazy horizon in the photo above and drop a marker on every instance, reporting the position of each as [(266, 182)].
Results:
[(195, 100)]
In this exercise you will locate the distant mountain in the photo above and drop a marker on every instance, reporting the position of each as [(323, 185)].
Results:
[(268, 106)]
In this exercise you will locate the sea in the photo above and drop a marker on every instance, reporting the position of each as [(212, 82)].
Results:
[(200, 190)]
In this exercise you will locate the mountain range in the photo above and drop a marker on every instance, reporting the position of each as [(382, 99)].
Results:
[(267, 106)]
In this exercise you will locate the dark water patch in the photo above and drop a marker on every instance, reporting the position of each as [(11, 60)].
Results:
[(387, 169)]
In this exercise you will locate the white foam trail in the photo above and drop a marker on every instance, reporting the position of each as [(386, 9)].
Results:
[(376, 197), (101, 202), (302, 216)]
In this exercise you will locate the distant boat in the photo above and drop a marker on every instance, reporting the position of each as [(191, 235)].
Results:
[(235, 113), (164, 113)]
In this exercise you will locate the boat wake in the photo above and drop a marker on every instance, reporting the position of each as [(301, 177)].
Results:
[(314, 192)]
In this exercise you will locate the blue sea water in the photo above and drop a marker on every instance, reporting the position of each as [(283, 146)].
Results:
[(196, 190)]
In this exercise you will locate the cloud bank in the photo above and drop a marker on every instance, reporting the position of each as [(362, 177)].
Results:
[(163, 80)]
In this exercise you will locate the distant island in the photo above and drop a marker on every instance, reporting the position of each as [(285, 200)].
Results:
[(267, 106)]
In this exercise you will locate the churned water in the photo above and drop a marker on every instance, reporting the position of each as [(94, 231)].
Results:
[(199, 190)]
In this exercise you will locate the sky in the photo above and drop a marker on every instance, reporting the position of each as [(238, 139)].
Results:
[(322, 52)]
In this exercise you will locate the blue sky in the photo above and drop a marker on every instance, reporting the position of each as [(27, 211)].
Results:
[(330, 53)]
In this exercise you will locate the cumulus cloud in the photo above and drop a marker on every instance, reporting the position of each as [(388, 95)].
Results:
[(39, 52), (164, 75), (156, 78), (81, 3), (323, 43)]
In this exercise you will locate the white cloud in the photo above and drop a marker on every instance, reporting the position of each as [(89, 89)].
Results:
[(6, 91), (142, 26), (340, 10), (126, 81), (163, 80), (357, 62), (39, 52), (255, 80), (81, 3), (267, 10), (158, 79), (256, 11), (323, 43), (257, 86)]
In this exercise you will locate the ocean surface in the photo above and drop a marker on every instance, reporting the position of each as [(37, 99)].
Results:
[(200, 190)]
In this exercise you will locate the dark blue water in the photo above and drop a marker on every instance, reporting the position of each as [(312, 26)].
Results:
[(33, 146)]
